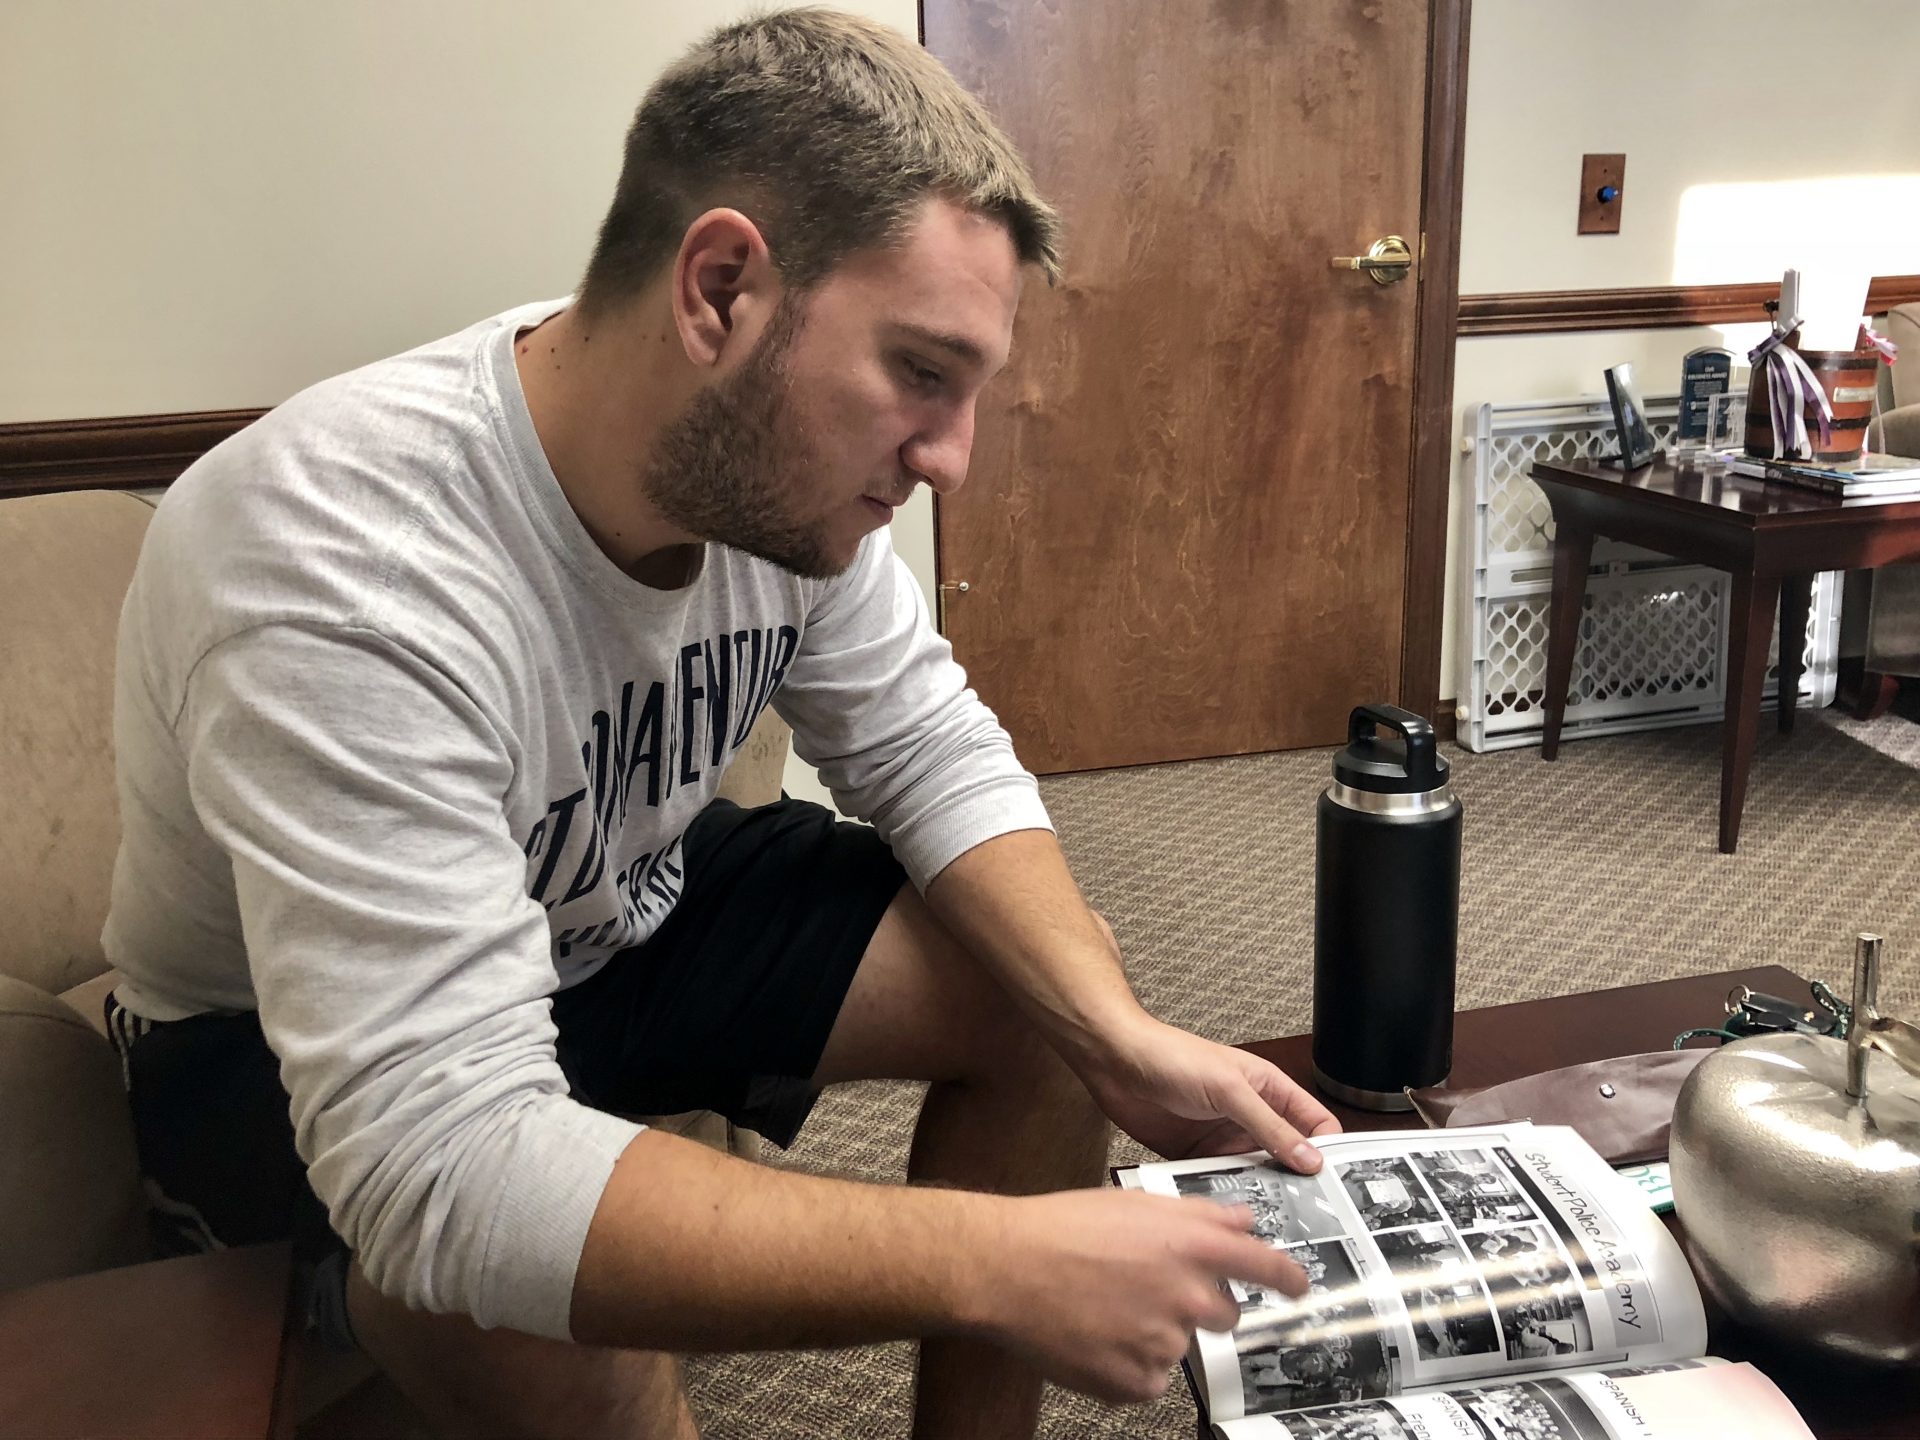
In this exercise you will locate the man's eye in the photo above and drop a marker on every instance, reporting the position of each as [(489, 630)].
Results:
[(919, 376)]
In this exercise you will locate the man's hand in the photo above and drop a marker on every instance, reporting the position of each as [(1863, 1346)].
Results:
[(1102, 1290), (1180, 1095)]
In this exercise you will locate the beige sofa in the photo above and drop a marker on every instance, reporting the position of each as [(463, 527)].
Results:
[(1881, 618), (70, 1199), (1896, 430)]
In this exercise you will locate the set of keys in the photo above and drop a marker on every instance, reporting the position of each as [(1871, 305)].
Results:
[(1752, 1012)]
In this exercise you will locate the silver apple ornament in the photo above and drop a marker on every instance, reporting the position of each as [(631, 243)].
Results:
[(1796, 1171)]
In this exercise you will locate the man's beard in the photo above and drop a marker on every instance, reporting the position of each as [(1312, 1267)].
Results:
[(730, 466)]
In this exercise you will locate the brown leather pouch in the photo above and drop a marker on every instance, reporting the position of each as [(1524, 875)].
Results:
[(1627, 1126)]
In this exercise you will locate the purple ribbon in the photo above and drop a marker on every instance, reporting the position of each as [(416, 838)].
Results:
[(1791, 388)]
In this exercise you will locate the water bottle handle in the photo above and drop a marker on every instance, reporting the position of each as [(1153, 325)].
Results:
[(1413, 729)]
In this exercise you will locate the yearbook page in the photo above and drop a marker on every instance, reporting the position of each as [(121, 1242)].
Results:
[(1679, 1401), (1437, 1258)]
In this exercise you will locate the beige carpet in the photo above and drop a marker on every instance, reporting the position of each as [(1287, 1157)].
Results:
[(1599, 869)]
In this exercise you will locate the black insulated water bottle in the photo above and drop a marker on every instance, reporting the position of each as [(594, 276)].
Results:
[(1386, 911)]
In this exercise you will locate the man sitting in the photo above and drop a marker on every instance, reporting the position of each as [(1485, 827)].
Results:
[(427, 681)]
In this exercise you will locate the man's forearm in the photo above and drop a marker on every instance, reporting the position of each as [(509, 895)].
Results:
[(1099, 1289), (694, 1250), (1013, 904)]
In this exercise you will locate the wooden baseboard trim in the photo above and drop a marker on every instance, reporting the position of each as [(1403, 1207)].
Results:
[(120, 452), (1646, 307)]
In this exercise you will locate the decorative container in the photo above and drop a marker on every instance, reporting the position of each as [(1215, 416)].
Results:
[(1796, 1171)]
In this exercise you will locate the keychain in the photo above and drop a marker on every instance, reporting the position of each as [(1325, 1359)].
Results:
[(1750, 1012)]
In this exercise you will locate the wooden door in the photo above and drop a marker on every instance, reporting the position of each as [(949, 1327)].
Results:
[(1185, 531)]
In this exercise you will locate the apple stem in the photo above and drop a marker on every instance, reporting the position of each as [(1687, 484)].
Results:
[(1866, 987)]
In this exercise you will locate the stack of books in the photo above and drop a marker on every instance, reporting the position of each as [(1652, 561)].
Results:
[(1867, 476)]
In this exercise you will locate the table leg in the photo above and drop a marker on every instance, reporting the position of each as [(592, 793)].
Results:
[(1750, 628), (1796, 599), (1572, 553)]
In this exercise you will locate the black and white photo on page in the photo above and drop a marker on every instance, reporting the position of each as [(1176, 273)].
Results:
[(1386, 1192), (1473, 1188), (1541, 1303), (1449, 1313), (1534, 1410), (1287, 1208), (1325, 1347), (1374, 1420)]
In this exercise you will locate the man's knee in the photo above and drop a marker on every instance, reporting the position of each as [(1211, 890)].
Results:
[(1009, 1043), (1008, 1051), (924, 1007)]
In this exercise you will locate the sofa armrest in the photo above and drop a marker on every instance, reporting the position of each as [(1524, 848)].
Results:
[(64, 564), (1897, 432), (709, 1129), (70, 1195), (755, 774)]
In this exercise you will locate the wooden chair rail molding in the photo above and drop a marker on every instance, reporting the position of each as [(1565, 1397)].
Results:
[(1648, 308), (120, 452), (128, 451)]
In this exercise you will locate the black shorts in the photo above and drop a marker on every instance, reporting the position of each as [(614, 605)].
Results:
[(726, 1007)]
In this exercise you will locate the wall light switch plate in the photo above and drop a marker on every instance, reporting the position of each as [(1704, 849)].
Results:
[(1602, 183)]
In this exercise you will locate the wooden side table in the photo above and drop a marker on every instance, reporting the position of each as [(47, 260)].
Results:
[(1505, 1042), (188, 1347), (1771, 538)]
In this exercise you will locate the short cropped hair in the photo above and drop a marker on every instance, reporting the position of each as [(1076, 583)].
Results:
[(828, 131)]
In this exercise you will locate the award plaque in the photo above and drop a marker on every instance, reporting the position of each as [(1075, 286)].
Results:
[(1704, 373)]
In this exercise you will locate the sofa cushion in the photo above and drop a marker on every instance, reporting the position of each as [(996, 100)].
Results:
[(70, 1198), (88, 999), (65, 561), (709, 1129)]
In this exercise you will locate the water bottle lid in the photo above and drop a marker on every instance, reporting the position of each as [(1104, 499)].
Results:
[(1409, 764)]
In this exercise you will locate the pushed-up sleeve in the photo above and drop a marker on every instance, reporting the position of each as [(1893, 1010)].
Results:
[(881, 708), (402, 973)]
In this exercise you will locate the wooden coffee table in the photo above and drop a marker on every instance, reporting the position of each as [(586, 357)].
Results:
[(1505, 1042)]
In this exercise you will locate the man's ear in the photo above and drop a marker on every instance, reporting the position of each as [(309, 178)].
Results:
[(724, 286)]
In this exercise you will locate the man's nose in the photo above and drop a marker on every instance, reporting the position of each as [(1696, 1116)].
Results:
[(940, 455)]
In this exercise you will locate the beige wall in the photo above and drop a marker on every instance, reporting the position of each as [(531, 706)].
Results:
[(1713, 193)]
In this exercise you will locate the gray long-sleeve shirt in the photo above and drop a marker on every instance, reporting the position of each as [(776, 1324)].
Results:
[(401, 751)]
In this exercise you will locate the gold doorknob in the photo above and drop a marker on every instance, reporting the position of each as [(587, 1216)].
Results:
[(1388, 259)]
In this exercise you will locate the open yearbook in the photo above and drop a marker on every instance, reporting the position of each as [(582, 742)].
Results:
[(1498, 1282)]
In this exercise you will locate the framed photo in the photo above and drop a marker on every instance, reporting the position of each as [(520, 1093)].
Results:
[(1637, 445)]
